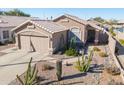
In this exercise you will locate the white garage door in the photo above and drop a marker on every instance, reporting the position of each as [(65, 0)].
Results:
[(75, 32), (39, 44)]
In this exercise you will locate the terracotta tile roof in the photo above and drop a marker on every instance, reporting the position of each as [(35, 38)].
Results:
[(94, 25), (46, 25), (49, 26), (79, 20), (95, 22), (76, 19)]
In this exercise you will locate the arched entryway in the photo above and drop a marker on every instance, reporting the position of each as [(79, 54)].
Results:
[(75, 32), (91, 32), (91, 36)]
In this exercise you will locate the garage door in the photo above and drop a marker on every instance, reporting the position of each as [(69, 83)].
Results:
[(75, 32), (25, 43), (39, 44)]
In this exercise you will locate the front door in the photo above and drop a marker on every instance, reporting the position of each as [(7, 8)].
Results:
[(91, 36)]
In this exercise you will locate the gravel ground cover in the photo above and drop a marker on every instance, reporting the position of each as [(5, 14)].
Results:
[(71, 76)]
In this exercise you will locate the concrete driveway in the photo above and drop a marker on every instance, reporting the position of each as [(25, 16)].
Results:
[(15, 62)]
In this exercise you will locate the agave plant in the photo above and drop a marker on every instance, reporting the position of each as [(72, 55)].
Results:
[(30, 76)]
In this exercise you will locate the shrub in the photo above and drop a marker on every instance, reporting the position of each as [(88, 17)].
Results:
[(47, 67), (103, 54), (30, 76), (84, 65), (113, 34), (59, 69), (113, 70), (71, 52), (96, 49), (121, 41)]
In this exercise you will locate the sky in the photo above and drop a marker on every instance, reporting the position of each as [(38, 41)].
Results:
[(84, 13)]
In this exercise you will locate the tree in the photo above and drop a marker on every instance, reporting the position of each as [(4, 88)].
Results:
[(15, 12), (99, 19), (1, 12), (112, 21)]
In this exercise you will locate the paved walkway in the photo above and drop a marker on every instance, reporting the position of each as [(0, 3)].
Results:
[(15, 62)]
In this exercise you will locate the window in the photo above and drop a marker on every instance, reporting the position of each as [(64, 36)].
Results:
[(5, 34)]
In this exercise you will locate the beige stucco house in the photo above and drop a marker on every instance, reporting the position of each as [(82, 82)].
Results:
[(46, 36)]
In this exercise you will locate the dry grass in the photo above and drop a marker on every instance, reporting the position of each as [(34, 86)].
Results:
[(103, 54)]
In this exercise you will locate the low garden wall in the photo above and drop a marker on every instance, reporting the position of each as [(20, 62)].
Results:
[(112, 44)]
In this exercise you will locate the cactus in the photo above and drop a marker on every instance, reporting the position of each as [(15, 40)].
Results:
[(59, 69), (30, 76), (84, 65)]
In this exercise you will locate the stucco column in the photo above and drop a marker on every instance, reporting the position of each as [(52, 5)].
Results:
[(84, 35), (96, 37), (2, 40), (50, 45)]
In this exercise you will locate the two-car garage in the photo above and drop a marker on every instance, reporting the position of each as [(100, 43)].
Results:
[(40, 36), (34, 43)]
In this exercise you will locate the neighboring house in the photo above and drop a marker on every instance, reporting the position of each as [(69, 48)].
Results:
[(49, 36), (120, 22), (7, 23), (105, 26), (119, 31), (120, 26)]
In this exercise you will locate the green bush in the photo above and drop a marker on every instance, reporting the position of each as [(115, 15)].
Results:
[(103, 54), (96, 49), (113, 34), (121, 41), (71, 52)]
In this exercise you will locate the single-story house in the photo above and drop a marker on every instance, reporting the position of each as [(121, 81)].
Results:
[(46, 36), (119, 27), (7, 23), (120, 22)]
